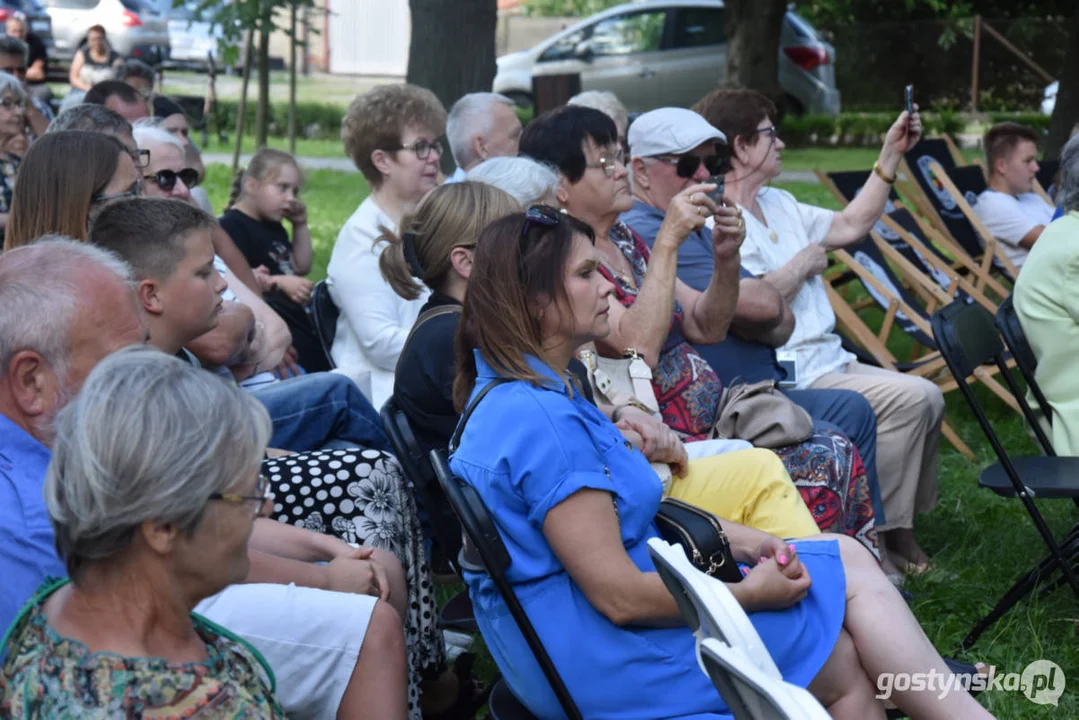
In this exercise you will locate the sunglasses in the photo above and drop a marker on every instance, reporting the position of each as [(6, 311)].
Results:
[(166, 179), (422, 148), (11, 104), (686, 166)]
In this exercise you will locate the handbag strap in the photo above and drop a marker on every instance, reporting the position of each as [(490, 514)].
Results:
[(640, 376), (456, 439)]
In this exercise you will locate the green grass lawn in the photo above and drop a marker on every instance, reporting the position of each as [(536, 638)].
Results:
[(304, 147), (980, 543)]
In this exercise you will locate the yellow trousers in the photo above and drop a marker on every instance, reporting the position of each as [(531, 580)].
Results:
[(749, 487)]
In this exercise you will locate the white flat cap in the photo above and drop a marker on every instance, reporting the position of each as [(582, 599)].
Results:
[(669, 131)]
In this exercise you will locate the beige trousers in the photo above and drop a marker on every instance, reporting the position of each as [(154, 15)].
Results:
[(909, 413)]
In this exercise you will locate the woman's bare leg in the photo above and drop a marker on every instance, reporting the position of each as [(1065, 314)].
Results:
[(889, 639), (842, 685), (378, 688)]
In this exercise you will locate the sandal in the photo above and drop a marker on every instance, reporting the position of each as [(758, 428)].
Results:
[(472, 694)]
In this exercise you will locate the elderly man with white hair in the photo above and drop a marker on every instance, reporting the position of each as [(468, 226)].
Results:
[(528, 181), (480, 126), (67, 306)]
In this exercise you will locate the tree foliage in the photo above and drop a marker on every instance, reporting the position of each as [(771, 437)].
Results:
[(237, 17), (833, 13)]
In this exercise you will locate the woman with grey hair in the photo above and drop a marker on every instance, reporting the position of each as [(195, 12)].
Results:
[(607, 103), (153, 490), (12, 123), (527, 181), (1046, 299)]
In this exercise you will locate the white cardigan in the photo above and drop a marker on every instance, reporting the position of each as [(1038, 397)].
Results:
[(374, 320)]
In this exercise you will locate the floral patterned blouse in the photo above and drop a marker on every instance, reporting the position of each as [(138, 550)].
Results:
[(687, 389), (48, 676), (9, 168)]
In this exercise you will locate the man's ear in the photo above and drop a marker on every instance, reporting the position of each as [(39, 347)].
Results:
[(461, 260), (32, 382), (640, 173), (149, 292), (479, 147)]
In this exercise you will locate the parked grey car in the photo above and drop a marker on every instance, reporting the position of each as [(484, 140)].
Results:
[(39, 22), (135, 28), (668, 53), (191, 41)]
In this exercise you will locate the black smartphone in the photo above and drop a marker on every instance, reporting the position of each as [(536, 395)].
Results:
[(717, 194), (908, 94)]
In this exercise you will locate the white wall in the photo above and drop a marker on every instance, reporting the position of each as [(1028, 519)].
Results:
[(369, 37)]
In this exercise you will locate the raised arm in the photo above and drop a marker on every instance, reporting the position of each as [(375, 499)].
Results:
[(854, 221), (762, 315), (709, 313)]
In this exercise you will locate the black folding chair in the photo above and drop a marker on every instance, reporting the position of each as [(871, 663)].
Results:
[(1047, 175), (494, 559), (967, 338), (1027, 362), (324, 314)]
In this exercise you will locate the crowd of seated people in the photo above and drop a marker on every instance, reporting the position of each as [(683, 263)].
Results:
[(193, 498)]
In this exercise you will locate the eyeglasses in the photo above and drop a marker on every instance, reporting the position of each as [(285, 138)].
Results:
[(422, 148), (686, 166), (263, 494), (135, 191), (607, 163), (166, 179), (771, 131), (11, 103)]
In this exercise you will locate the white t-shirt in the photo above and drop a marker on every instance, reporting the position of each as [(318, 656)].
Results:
[(791, 227), (1011, 217)]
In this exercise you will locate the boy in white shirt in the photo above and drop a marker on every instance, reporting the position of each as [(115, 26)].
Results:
[(1009, 208)]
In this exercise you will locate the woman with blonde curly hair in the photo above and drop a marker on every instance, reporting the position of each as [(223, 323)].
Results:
[(392, 134)]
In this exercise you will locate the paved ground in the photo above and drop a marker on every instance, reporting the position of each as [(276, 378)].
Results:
[(345, 165)]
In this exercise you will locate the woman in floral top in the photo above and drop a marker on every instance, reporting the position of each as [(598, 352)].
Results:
[(660, 316), (12, 124), (149, 521)]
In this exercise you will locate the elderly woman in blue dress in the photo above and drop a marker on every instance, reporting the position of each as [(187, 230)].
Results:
[(575, 507)]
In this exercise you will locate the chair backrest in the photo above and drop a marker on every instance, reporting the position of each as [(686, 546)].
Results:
[(967, 338), (485, 538), (324, 314), (1047, 174), (418, 469), (1012, 330), (752, 695), (905, 220), (707, 606), (969, 181)]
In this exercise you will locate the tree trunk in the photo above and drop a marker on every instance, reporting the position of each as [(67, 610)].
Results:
[(241, 107), (292, 81), (1066, 111), (753, 28), (262, 110), (453, 49)]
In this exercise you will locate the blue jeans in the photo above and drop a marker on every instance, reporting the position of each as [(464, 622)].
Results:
[(321, 410), (851, 414)]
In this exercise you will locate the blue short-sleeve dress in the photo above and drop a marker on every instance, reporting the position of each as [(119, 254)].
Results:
[(527, 448)]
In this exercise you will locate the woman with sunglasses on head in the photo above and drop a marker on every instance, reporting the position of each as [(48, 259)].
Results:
[(66, 177), (392, 135), (787, 244), (659, 316), (12, 124), (575, 507)]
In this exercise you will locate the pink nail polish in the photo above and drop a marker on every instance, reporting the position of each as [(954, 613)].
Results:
[(764, 559), (792, 548), (782, 559)]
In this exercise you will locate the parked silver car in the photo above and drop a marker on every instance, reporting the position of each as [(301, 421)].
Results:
[(191, 41), (135, 29), (668, 53)]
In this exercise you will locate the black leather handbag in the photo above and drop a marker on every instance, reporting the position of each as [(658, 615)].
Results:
[(701, 536)]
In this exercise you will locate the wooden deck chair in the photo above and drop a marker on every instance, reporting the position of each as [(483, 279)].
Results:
[(910, 185), (911, 245)]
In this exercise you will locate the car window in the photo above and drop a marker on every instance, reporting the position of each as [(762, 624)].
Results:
[(801, 27), (70, 4), (697, 27), (629, 33), (564, 48)]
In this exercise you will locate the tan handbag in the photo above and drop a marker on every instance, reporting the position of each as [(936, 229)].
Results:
[(622, 381), (760, 414)]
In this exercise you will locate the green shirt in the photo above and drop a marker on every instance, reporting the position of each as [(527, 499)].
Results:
[(1046, 299)]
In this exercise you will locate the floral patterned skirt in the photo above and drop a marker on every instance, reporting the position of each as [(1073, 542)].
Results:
[(829, 474), (363, 497)]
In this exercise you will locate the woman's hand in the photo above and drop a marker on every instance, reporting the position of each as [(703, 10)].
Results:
[(661, 444), (903, 135), (297, 288), (728, 234), (785, 555), (768, 587), (812, 260), (357, 573), (686, 213)]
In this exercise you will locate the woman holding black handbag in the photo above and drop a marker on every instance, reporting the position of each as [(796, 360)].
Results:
[(575, 507)]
